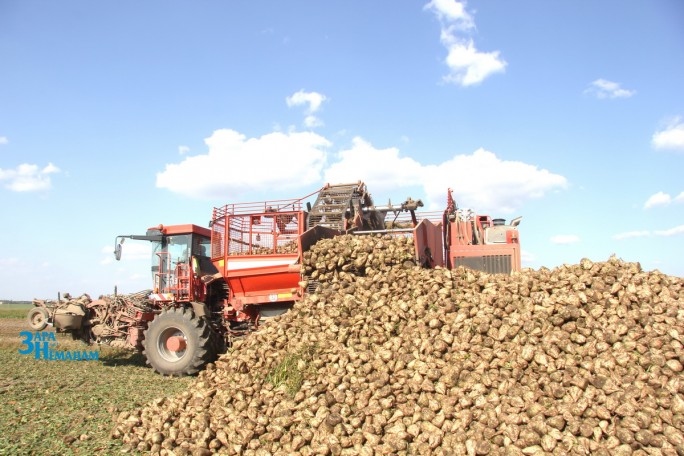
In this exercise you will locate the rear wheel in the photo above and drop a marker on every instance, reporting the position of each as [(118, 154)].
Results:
[(38, 318), (178, 343)]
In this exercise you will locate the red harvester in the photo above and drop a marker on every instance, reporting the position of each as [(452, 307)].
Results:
[(213, 284)]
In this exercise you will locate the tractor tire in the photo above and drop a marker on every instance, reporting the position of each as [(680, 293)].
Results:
[(38, 318), (178, 343)]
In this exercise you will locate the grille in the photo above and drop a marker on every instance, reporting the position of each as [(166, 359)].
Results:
[(312, 286), (492, 264), (217, 238)]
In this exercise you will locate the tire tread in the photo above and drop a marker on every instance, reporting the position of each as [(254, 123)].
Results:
[(203, 354)]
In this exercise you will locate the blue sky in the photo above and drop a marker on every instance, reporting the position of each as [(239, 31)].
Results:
[(118, 116)]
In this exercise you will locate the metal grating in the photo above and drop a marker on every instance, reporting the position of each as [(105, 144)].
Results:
[(492, 264), (263, 234), (312, 286), (218, 236), (331, 206)]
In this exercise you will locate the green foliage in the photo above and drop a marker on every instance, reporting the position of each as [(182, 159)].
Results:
[(15, 310), (291, 371)]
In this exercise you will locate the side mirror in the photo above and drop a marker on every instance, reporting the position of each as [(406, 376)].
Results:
[(117, 250)]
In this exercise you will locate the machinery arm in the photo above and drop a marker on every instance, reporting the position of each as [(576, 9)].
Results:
[(137, 237)]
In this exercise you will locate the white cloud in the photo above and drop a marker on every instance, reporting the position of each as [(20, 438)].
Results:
[(3, 140), (28, 178), (50, 169), (671, 232), (631, 234), (480, 180), (565, 239), (451, 11), (467, 65), (183, 150), (485, 182), (381, 169), (130, 251), (109, 255), (314, 100), (671, 137), (312, 122), (602, 88), (236, 164), (663, 199), (527, 258), (658, 199)]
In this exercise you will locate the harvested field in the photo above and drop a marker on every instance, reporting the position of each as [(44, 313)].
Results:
[(68, 407), (389, 358)]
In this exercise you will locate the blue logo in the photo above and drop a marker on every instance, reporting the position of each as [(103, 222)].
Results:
[(42, 345)]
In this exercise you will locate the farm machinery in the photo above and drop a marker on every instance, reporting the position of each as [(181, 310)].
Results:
[(210, 285)]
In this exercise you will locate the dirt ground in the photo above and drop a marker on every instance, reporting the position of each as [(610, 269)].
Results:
[(11, 327)]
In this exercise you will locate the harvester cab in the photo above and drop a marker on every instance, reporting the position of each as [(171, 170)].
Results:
[(180, 256)]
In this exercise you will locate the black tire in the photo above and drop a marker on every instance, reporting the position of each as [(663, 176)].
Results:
[(38, 318), (181, 322)]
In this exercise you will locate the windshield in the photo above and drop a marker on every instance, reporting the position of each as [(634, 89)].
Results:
[(172, 250), (177, 246)]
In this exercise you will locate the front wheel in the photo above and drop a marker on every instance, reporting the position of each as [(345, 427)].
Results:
[(178, 343), (38, 318)]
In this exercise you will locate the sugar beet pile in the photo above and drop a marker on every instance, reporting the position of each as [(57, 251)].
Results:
[(389, 358)]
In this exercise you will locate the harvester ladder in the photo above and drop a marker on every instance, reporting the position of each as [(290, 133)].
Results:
[(331, 206), (183, 277)]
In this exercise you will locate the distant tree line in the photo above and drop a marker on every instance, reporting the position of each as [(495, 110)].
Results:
[(9, 301)]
